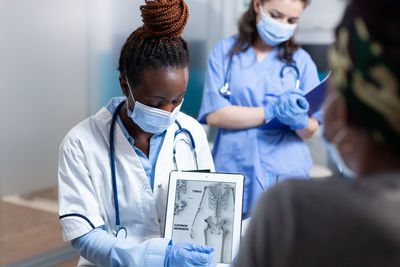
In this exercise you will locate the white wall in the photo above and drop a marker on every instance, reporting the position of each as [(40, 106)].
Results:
[(58, 64), (222, 19), (43, 87), (110, 24), (319, 20)]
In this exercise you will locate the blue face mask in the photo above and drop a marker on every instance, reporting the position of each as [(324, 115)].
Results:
[(334, 154), (272, 31), (152, 120)]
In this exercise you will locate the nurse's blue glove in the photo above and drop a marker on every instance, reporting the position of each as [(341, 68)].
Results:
[(188, 255), (268, 112), (292, 110)]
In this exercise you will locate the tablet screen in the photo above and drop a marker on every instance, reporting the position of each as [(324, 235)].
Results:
[(204, 214), (205, 208)]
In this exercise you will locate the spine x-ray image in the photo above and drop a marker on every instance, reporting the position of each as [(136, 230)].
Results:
[(203, 214)]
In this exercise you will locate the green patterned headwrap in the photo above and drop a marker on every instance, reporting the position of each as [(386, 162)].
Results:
[(368, 80)]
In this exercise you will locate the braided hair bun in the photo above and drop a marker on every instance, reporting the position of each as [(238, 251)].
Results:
[(158, 43), (164, 18)]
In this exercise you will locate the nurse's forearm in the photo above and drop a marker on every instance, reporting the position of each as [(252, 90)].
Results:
[(308, 132), (236, 117)]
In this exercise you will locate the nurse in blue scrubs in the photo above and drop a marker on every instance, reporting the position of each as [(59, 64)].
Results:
[(263, 47)]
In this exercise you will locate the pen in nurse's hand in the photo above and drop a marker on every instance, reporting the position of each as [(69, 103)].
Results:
[(274, 95), (260, 184)]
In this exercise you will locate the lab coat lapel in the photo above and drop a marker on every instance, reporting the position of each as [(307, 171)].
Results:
[(133, 183), (125, 153), (161, 178), (164, 161)]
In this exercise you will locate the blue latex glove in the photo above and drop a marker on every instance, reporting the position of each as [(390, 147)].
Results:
[(268, 112), (103, 249), (188, 255), (292, 110), (269, 108)]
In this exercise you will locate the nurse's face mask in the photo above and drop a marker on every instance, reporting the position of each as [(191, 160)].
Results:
[(150, 119), (272, 31)]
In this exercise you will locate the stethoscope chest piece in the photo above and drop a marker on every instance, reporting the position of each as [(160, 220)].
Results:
[(224, 90), (292, 65), (120, 232)]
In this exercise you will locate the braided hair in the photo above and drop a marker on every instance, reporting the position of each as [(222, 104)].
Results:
[(157, 44)]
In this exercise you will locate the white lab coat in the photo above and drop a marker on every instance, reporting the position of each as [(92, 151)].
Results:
[(85, 186)]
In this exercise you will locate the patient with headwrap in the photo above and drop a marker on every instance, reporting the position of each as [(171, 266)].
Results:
[(335, 222)]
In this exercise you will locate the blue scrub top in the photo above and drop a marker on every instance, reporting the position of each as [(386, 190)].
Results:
[(261, 155)]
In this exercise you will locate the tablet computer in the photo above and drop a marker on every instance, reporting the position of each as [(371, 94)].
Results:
[(206, 208)]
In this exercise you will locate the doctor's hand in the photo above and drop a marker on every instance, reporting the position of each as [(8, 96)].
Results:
[(188, 255), (292, 110)]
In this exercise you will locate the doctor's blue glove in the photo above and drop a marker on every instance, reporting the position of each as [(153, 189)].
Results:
[(292, 110), (188, 255)]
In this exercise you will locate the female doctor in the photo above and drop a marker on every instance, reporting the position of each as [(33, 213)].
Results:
[(97, 208), (267, 74)]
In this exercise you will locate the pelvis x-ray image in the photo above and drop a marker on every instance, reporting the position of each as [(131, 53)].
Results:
[(203, 214)]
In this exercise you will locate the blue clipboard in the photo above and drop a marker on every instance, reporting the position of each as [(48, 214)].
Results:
[(315, 97)]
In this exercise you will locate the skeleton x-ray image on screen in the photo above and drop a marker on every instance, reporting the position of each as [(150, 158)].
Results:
[(203, 214)]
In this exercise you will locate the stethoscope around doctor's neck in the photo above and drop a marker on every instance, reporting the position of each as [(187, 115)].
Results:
[(121, 231), (225, 89)]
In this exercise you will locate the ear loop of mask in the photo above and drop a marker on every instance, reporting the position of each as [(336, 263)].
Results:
[(130, 95), (327, 104), (340, 132), (338, 138)]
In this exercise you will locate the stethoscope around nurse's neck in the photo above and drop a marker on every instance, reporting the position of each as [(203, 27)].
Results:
[(225, 88), (120, 231)]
